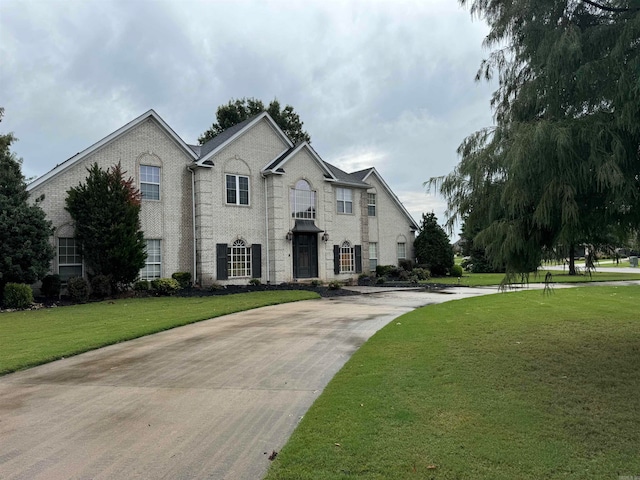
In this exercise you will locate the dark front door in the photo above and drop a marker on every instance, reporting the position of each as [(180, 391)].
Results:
[(305, 255)]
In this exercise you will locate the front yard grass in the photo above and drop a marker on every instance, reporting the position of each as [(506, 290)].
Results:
[(508, 386), (29, 338), (486, 279)]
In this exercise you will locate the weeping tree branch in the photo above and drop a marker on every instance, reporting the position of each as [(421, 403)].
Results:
[(610, 9)]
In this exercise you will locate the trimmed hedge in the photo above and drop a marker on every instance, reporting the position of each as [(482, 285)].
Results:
[(17, 295)]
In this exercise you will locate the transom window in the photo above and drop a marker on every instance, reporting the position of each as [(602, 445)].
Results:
[(347, 258), (303, 201), (69, 259), (373, 256), (371, 204), (239, 260), (153, 264), (237, 189), (150, 182), (345, 200)]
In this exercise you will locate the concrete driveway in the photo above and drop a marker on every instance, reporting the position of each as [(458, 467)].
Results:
[(208, 400)]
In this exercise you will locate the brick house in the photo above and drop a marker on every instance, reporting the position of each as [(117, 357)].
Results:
[(247, 204)]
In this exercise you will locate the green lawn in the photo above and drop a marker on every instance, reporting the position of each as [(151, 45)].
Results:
[(485, 279), (509, 386), (29, 338)]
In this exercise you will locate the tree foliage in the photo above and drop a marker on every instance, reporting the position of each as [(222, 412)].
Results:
[(237, 111), (432, 246), (106, 213), (561, 166), (25, 248)]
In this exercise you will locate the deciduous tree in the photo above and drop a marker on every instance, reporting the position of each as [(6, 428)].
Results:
[(237, 111)]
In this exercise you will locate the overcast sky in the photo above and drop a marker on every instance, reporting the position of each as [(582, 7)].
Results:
[(388, 84)]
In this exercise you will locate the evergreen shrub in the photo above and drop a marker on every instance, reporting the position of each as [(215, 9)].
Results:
[(17, 295)]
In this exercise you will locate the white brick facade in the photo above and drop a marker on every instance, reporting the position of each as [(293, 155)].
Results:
[(279, 248)]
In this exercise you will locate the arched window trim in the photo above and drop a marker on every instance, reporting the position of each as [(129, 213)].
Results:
[(302, 201), (239, 259), (347, 258)]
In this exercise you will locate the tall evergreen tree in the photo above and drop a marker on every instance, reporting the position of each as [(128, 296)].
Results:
[(432, 246), (237, 111), (562, 164), (25, 248), (106, 213)]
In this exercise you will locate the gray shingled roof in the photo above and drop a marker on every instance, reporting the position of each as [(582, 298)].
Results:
[(224, 136), (347, 178)]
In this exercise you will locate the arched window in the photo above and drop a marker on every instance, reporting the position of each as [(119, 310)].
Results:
[(239, 260), (303, 201), (347, 259)]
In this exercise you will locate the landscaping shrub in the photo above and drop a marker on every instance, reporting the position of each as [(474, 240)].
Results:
[(384, 270), (17, 295), (142, 286), (215, 286), (316, 283), (405, 264), (78, 289), (51, 286), (165, 286), (421, 273), (101, 286), (183, 278), (255, 281), (380, 281), (455, 271), (335, 285)]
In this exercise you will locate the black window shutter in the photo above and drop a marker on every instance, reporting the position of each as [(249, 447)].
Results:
[(336, 259), (358, 258), (256, 260), (221, 261)]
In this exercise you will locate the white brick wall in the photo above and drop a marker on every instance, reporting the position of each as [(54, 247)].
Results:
[(168, 219)]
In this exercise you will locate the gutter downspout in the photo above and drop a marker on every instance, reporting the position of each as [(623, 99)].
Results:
[(266, 228), (193, 220)]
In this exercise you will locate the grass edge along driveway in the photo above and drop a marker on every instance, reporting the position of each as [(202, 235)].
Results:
[(517, 385), (33, 337)]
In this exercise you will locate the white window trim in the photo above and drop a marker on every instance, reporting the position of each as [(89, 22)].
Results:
[(341, 198), (347, 249), (243, 252), (311, 202), (375, 257), (404, 250), (151, 183), (374, 204), (60, 264), (144, 271), (237, 182)]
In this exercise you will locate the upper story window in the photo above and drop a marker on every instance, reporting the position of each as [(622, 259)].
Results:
[(371, 204), (303, 201), (150, 182), (237, 189), (345, 200)]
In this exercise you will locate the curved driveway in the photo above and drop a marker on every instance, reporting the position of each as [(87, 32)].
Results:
[(208, 400)]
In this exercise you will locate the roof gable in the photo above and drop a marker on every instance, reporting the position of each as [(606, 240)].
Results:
[(108, 139), (367, 173), (231, 134), (277, 165)]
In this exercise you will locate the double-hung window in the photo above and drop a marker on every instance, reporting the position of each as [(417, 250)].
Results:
[(153, 264), (239, 260), (150, 182), (345, 200), (402, 250), (303, 201), (69, 259), (237, 190), (373, 256), (371, 204)]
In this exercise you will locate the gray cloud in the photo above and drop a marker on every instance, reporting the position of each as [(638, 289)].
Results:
[(386, 83)]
